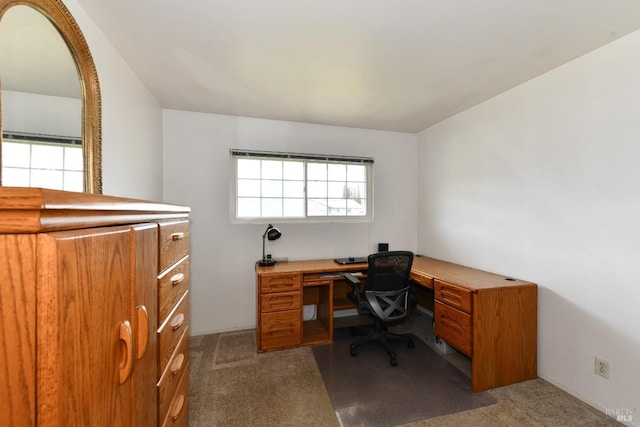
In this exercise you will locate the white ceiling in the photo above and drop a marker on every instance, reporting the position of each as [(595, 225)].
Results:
[(400, 65)]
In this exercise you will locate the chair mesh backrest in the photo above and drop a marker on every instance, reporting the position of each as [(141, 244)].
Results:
[(387, 284), (388, 271)]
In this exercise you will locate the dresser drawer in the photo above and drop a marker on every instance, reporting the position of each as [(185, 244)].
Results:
[(172, 284), (280, 329), (453, 326), (170, 380), (280, 301), (178, 413), (280, 283), (452, 295), (174, 242), (171, 331)]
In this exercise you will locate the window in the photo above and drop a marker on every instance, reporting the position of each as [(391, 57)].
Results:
[(294, 186), (38, 161)]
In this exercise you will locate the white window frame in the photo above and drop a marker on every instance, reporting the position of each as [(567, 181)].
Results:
[(235, 154)]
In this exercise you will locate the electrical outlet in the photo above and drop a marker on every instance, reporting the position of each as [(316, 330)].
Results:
[(602, 368)]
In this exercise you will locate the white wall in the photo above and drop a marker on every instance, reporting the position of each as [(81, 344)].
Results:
[(41, 114), (542, 183), (131, 120), (196, 173)]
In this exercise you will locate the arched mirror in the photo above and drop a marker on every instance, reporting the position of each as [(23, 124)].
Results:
[(50, 113)]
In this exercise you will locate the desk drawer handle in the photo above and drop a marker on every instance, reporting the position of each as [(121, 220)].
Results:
[(176, 407), (177, 236), (143, 330), (177, 364), (126, 337), (176, 279), (177, 321)]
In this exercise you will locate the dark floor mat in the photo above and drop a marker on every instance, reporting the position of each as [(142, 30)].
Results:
[(367, 391)]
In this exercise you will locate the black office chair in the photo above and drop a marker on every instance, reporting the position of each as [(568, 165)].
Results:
[(385, 297)]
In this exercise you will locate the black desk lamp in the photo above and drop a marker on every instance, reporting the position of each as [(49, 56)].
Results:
[(271, 233)]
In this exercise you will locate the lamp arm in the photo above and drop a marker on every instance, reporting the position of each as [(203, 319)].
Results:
[(264, 255)]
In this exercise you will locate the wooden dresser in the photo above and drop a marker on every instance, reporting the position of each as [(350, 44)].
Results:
[(93, 310)]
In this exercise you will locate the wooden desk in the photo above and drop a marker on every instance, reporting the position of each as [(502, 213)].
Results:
[(489, 317)]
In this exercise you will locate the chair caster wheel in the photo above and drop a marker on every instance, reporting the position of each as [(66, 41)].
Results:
[(411, 344), (394, 361), (354, 353)]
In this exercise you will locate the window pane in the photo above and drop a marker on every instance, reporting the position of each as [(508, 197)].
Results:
[(337, 207), (248, 168), (337, 172), (317, 171), (317, 207), (356, 173), (73, 181), (271, 188), (46, 178), (317, 189), (248, 207), (73, 159), (356, 207), (15, 177), (248, 188), (293, 189), (271, 169), (46, 157), (355, 191), (271, 207), (293, 170), (337, 189), (16, 154), (294, 208)]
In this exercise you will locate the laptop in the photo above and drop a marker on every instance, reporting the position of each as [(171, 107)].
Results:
[(351, 260)]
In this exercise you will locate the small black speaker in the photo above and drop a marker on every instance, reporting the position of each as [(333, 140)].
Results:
[(383, 247)]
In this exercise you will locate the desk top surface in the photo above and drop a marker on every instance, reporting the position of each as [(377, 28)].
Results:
[(423, 266)]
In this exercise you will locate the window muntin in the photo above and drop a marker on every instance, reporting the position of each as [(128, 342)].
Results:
[(298, 187)]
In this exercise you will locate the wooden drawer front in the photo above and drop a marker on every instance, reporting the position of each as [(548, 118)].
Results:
[(453, 326), (171, 331), (280, 283), (178, 412), (171, 377), (280, 329), (452, 295), (174, 242), (281, 301), (425, 281), (172, 284)]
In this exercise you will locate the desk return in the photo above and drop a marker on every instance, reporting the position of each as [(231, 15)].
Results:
[(490, 318)]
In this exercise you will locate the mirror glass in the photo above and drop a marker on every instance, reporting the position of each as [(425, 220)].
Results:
[(50, 116)]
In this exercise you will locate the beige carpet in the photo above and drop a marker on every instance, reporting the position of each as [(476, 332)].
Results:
[(233, 386)]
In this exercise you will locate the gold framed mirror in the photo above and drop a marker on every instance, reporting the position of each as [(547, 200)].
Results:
[(89, 90)]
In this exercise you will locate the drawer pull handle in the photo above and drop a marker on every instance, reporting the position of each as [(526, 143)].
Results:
[(177, 321), (126, 337), (176, 279), (176, 407), (177, 236), (177, 364), (143, 330)]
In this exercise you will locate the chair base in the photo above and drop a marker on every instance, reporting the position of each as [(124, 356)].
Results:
[(380, 335)]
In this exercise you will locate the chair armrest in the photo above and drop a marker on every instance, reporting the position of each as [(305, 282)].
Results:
[(352, 280)]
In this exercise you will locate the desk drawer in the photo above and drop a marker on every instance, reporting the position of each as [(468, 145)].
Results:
[(452, 295), (425, 281), (174, 242), (171, 331), (280, 283), (453, 326), (280, 301), (280, 329)]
